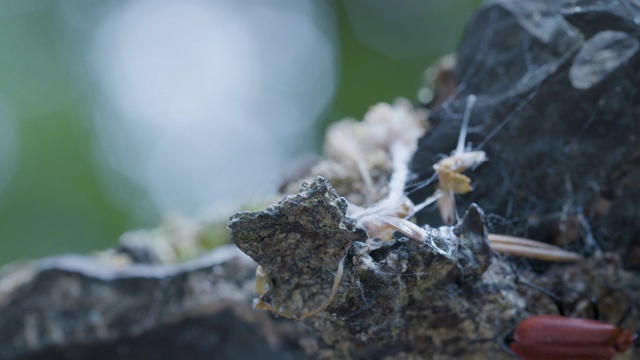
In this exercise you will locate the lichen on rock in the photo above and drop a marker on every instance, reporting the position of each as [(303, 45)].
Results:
[(298, 242), (392, 295)]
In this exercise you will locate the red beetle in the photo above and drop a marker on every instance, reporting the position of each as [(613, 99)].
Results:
[(552, 337)]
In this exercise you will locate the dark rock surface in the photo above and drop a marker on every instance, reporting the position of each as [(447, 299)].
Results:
[(71, 306), (557, 114), (447, 296), (299, 242), (394, 297)]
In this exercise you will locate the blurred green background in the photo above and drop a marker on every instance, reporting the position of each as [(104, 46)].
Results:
[(54, 195)]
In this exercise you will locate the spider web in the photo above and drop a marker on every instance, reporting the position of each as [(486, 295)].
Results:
[(556, 114)]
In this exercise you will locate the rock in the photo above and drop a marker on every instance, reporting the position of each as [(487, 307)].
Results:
[(299, 242), (394, 297), (77, 307), (557, 115)]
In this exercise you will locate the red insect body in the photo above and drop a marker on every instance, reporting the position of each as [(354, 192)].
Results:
[(554, 337)]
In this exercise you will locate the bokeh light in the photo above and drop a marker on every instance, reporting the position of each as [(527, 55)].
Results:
[(205, 102), (115, 113)]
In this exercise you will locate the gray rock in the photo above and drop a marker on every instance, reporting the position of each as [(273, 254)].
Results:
[(393, 298), (557, 114), (68, 307)]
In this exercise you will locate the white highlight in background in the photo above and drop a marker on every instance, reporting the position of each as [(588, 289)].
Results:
[(205, 102)]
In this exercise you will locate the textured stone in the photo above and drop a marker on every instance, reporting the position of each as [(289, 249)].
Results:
[(71, 306), (557, 114), (393, 297)]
